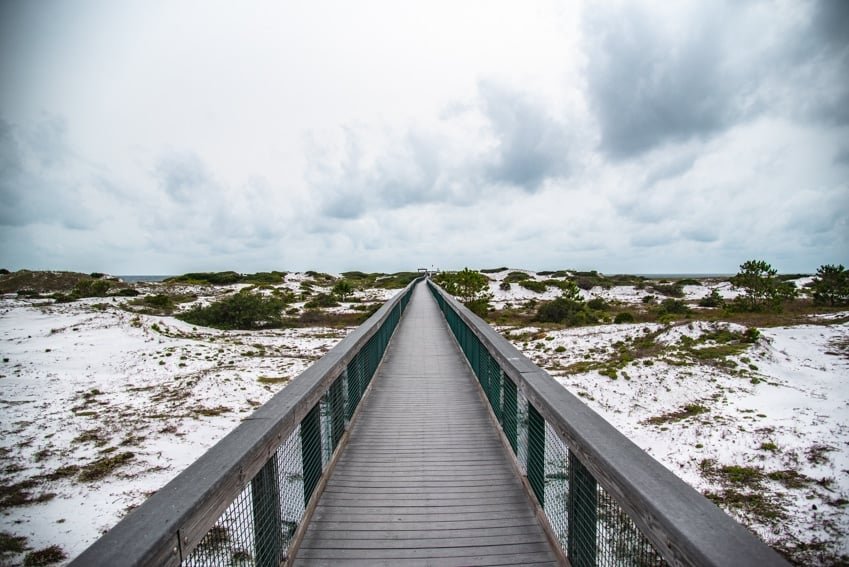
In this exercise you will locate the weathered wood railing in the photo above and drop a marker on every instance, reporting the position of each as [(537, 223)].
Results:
[(244, 500), (606, 500)]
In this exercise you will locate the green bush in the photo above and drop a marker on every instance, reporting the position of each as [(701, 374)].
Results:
[(159, 301), (505, 286), (598, 304), (673, 307), (398, 280), (713, 299), (624, 317), (479, 307), (565, 311), (831, 286), (273, 277), (243, 310), (342, 289), (516, 277), (669, 290), (533, 285), (493, 270), (91, 288), (764, 290), (127, 292), (321, 300), (213, 278)]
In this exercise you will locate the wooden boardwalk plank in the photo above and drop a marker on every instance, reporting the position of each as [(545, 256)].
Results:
[(424, 479)]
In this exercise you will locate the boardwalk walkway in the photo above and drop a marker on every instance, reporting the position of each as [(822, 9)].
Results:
[(424, 479)]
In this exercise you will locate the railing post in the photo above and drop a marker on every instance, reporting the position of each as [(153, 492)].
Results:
[(311, 450), (268, 524), (583, 516), (336, 400), (536, 453), (510, 413)]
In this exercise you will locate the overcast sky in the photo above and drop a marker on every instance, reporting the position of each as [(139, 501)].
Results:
[(158, 137)]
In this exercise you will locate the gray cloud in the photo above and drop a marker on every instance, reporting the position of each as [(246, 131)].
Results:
[(527, 145), (532, 145), (183, 176), (648, 89), (650, 84), (35, 184)]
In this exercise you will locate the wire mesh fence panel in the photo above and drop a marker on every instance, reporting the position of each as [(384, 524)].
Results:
[(583, 514), (619, 541), (257, 527), (522, 431), (556, 485)]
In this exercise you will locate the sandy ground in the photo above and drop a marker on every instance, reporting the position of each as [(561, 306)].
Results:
[(87, 381), (83, 382)]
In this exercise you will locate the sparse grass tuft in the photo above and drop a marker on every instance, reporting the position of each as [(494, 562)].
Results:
[(12, 544), (104, 466), (690, 410), (761, 506), (20, 494), (43, 557), (272, 379), (790, 478)]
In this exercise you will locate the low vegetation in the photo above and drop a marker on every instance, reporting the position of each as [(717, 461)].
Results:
[(470, 286), (242, 310)]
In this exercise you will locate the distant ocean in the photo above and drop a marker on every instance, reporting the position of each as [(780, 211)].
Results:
[(143, 278)]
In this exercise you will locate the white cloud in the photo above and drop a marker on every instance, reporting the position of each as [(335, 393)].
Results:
[(632, 136)]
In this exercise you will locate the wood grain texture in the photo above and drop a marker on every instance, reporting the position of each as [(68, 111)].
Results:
[(685, 527), (424, 478)]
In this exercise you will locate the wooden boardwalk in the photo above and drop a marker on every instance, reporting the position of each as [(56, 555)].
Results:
[(424, 479)]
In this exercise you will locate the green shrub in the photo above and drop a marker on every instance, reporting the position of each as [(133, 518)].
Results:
[(831, 286), (342, 289), (516, 277), (273, 277), (243, 310), (321, 300), (764, 290), (398, 280), (213, 278), (671, 306), (598, 304), (127, 292), (669, 290), (493, 270), (713, 299), (533, 285), (91, 288), (505, 286), (159, 301), (479, 307), (564, 311), (624, 317)]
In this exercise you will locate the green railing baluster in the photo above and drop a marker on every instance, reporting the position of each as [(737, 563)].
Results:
[(510, 412), (583, 514), (536, 453), (336, 400), (311, 450), (265, 503), (353, 387)]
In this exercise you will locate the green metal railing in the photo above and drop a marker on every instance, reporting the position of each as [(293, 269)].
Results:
[(244, 501), (606, 501)]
